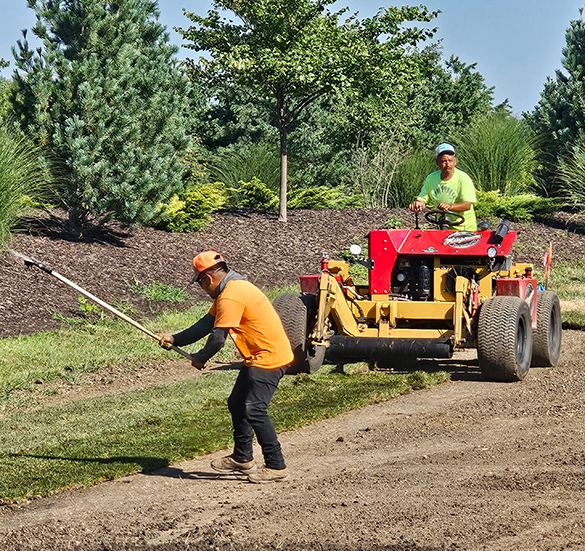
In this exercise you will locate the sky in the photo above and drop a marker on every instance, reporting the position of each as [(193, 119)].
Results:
[(516, 44)]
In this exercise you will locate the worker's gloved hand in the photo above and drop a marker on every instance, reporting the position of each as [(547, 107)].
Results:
[(166, 342)]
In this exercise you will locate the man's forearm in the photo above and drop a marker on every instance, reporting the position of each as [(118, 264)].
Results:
[(456, 207), (213, 345), (196, 332)]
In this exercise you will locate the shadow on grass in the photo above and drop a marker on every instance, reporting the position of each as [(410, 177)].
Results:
[(150, 466), (145, 463), (458, 369)]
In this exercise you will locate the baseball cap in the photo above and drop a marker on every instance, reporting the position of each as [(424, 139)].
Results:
[(445, 148), (205, 260)]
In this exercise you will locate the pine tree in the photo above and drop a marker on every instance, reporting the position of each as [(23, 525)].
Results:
[(559, 117), (105, 94)]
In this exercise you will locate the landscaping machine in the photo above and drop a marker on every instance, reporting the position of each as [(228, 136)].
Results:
[(429, 292)]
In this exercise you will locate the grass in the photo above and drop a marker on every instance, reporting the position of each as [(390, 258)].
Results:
[(498, 152), (22, 178), (88, 347), (85, 442), (159, 292), (44, 449), (568, 281)]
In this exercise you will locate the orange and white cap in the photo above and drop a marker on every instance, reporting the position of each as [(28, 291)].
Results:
[(205, 260)]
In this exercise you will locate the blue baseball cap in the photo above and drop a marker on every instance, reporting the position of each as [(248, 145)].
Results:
[(445, 148)]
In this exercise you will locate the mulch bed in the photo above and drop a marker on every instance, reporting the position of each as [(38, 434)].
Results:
[(108, 259)]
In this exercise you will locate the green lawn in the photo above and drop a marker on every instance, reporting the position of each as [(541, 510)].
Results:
[(44, 449)]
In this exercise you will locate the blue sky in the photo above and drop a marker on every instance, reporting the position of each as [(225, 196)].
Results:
[(515, 43)]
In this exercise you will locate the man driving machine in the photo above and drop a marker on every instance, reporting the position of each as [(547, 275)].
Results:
[(449, 189)]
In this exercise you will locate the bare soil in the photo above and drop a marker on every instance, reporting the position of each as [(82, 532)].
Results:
[(467, 465)]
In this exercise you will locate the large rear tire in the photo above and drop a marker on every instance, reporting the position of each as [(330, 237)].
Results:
[(297, 313), (504, 339), (546, 347)]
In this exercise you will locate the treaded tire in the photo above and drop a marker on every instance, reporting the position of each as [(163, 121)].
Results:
[(504, 339), (297, 313), (546, 347)]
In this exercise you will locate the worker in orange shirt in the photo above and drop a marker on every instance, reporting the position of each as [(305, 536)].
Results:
[(242, 310)]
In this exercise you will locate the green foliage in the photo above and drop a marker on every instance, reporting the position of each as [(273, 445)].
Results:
[(447, 97), (571, 174), (568, 281), (522, 207), (159, 292), (411, 173), (559, 117), (190, 210), (375, 171), (296, 52), (89, 308), (358, 272), (321, 197), (5, 93), (498, 153), (244, 162), (23, 178), (105, 94), (393, 222), (430, 101), (253, 194)]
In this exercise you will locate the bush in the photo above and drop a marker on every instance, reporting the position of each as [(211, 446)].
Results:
[(321, 197), (253, 194), (498, 152), (244, 162), (411, 174), (492, 204), (22, 178), (190, 210), (572, 175)]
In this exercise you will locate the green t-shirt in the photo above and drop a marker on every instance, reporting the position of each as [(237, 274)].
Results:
[(459, 188)]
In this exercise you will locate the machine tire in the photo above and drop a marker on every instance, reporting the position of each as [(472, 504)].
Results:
[(297, 313), (546, 346), (504, 339)]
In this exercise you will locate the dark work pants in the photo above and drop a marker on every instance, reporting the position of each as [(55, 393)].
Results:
[(248, 404)]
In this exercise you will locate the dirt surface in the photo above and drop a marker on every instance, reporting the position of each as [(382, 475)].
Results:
[(467, 465)]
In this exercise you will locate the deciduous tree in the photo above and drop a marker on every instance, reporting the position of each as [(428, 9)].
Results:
[(293, 52)]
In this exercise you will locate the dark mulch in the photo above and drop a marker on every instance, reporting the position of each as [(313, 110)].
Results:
[(108, 259)]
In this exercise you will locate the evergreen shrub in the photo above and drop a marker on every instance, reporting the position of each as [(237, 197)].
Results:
[(519, 208), (321, 197), (190, 210), (253, 194)]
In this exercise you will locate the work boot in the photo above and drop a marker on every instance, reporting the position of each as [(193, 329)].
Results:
[(265, 475), (230, 465)]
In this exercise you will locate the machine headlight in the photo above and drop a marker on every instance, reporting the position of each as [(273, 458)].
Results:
[(492, 252), (355, 249)]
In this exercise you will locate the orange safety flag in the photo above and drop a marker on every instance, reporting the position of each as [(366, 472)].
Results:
[(547, 260)]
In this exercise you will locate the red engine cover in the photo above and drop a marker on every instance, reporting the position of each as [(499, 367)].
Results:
[(386, 245)]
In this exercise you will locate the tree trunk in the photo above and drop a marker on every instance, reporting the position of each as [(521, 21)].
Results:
[(283, 132)]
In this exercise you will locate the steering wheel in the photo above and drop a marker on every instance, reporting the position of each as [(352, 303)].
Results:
[(440, 218)]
